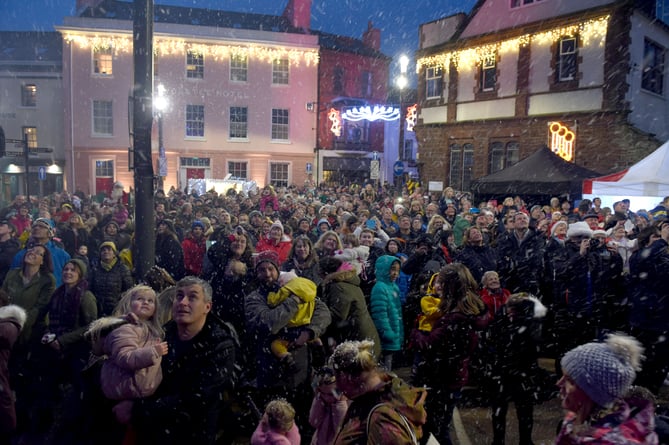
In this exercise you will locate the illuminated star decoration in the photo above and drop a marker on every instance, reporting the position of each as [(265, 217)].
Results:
[(335, 118), (378, 112), (562, 140)]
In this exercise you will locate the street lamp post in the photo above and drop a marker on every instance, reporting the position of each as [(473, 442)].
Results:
[(160, 103), (401, 82)]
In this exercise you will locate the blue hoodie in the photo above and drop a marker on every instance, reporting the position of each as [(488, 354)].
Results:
[(386, 307)]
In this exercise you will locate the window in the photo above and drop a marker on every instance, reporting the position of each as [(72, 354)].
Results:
[(652, 77), (195, 162), (238, 169), (238, 68), (103, 118), (462, 163), (338, 80), (433, 82), (280, 72), (407, 153), (104, 169), (662, 11), (239, 122), (278, 174), (366, 84), (195, 121), (519, 3), (488, 80), (566, 59), (279, 124), (102, 61), (29, 95), (31, 134), (194, 65), (503, 155)]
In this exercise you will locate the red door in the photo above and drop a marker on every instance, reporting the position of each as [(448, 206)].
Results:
[(104, 185), (194, 173)]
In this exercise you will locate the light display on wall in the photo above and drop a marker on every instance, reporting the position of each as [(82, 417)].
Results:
[(375, 113), (590, 32), (335, 118), (562, 140), (412, 116), (162, 46)]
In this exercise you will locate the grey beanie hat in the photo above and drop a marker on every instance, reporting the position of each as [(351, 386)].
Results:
[(604, 371)]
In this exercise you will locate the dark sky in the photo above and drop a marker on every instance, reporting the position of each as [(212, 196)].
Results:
[(398, 20)]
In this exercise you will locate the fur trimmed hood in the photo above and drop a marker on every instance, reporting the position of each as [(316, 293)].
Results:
[(13, 313)]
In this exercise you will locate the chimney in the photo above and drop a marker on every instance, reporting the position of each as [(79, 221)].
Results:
[(372, 37), (298, 13), (83, 4)]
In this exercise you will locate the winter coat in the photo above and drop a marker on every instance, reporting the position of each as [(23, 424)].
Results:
[(12, 319), (75, 238), (132, 368), (282, 248), (350, 317), (494, 301), (263, 435), (647, 289), (108, 285), (386, 427), (170, 255), (194, 251), (478, 259), (33, 298), (302, 288), (196, 373), (386, 307), (8, 251), (311, 271), (70, 312), (629, 421), (58, 256), (265, 323), (520, 262), (325, 418)]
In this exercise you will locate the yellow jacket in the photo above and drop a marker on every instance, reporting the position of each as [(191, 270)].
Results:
[(305, 290), (429, 304)]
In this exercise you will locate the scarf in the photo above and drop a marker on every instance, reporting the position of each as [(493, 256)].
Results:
[(64, 307), (108, 266)]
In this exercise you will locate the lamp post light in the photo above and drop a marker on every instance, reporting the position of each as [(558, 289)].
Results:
[(401, 82), (160, 103)]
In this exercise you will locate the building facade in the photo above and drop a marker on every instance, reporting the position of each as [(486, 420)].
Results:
[(587, 78)]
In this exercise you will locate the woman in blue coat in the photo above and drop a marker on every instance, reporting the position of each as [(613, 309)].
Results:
[(386, 308)]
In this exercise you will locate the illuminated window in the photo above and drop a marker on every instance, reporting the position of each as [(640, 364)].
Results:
[(31, 135), (503, 155), (238, 169), (279, 124), (194, 65), (239, 122), (103, 118), (488, 80), (239, 66), (278, 174), (280, 72), (29, 95), (462, 166), (366, 84), (102, 61), (195, 121), (519, 3), (338, 80), (567, 63), (652, 77), (434, 82)]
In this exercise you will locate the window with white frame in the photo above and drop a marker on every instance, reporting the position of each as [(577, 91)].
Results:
[(195, 121), (280, 72), (29, 95), (567, 62), (238, 169), (31, 135), (434, 82), (103, 118), (488, 81), (195, 162), (652, 76), (278, 174), (239, 122), (194, 64), (279, 124), (104, 168), (239, 67), (102, 60), (503, 155), (462, 166)]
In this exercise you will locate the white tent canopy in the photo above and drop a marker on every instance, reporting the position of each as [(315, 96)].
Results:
[(648, 177)]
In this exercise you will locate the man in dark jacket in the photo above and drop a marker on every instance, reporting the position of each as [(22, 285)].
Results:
[(109, 279), (8, 247), (520, 257), (197, 370)]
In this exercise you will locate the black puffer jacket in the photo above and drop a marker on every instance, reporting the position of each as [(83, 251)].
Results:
[(107, 286)]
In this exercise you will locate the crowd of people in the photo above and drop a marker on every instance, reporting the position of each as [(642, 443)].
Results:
[(280, 316)]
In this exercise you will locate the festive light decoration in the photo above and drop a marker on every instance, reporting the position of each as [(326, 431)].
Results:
[(412, 117), (590, 32), (163, 46), (378, 112), (335, 118), (562, 140)]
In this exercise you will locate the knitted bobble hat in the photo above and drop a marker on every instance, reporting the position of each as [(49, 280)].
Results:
[(604, 371)]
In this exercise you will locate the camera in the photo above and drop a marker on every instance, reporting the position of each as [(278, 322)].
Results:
[(48, 338), (594, 243)]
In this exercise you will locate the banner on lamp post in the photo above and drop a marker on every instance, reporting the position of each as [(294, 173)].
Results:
[(162, 162)]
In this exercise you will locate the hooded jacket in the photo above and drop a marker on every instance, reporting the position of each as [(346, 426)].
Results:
[(386, 306), (12, 319), (386, 425)]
